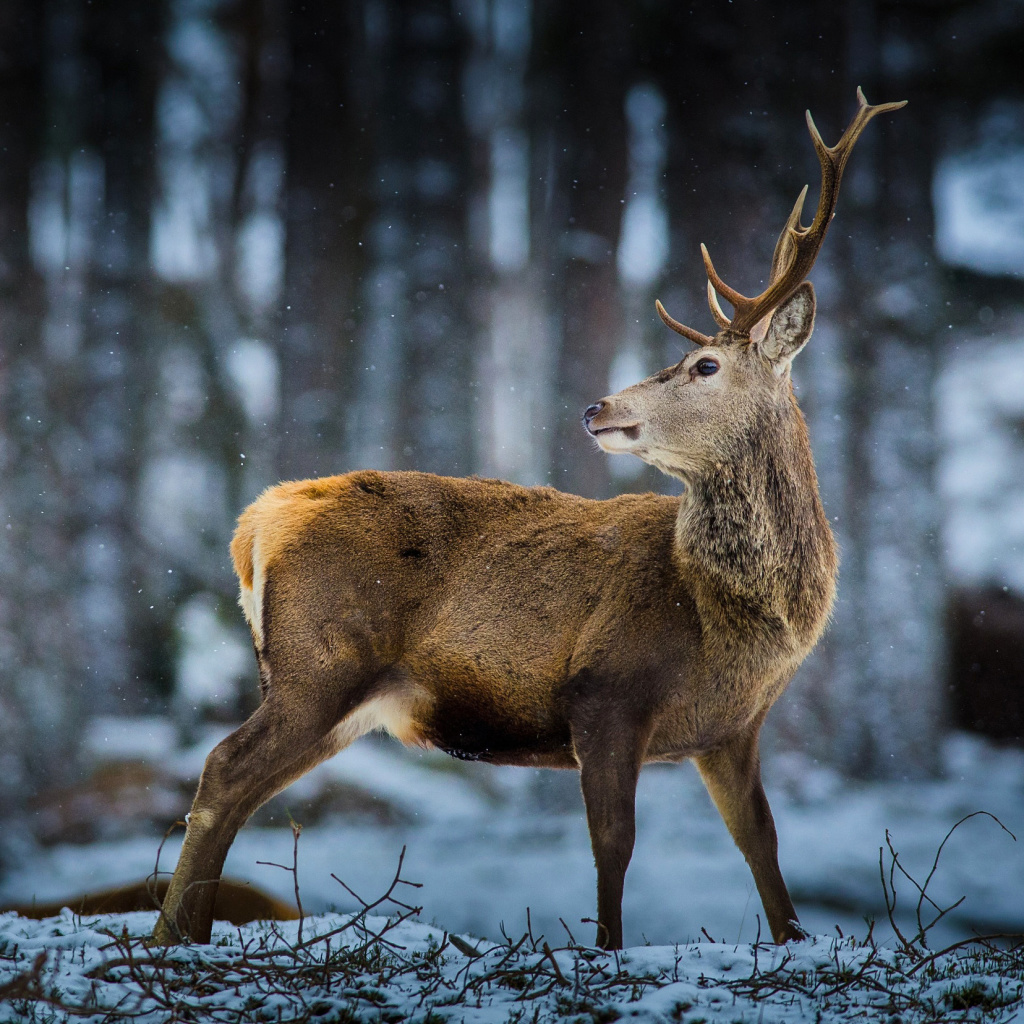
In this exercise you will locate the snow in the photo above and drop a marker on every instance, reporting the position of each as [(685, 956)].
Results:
[(183, 502), (48, 229), (643, 244), (212, 657), (195, 103), (253, 973), (113, 738), (260, 268), (979, 211), (981, 463), (643, 250), (508, 200), (182, 247)]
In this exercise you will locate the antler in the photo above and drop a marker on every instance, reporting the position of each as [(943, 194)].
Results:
[(797, 247), (687, 332)]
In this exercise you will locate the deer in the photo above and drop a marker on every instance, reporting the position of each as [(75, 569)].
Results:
[(526, 626)]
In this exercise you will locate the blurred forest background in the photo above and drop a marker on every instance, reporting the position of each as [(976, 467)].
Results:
[(249, 240)]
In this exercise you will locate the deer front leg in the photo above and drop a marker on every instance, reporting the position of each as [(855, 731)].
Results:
[(732, 775), (274, 747), (609, 769)]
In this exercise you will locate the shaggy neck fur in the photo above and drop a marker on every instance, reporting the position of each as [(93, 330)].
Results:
[(753, 538)]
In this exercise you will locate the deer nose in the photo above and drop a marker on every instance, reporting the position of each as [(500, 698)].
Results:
[(590, 412)]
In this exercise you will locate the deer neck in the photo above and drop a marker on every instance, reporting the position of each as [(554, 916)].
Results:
[(752, 539)]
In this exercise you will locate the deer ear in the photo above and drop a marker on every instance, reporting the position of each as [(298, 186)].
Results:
[(790, 328)]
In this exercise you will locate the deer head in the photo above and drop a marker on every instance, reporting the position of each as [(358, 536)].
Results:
[(696, 413)]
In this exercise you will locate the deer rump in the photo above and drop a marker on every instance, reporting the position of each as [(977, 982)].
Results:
[(476, 616)]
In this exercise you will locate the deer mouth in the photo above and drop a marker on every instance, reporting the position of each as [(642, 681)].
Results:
[(632, 432), (616, 440)]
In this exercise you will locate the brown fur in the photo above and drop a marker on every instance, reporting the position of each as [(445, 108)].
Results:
[(237, 903), (526, 626)]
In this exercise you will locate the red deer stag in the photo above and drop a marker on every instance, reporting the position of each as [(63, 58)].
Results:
[(526, 626)]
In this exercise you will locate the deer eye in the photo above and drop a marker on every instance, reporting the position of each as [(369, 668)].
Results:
[(706, 367)]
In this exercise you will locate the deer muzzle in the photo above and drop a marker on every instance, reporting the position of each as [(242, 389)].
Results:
[(610, 427)]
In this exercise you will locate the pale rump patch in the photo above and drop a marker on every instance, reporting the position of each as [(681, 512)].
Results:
[(251, 598), (276, 517), (279, 515), (394, 712)]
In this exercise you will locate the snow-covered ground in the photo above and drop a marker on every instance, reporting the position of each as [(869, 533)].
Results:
[(100, 970), (489, 843)]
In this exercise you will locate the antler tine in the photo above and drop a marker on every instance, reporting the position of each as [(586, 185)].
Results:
[(716, 310), (784, 246), (687, 332), (865, 111), (781, 258), (833, 159), (798, 247), (730, 295)]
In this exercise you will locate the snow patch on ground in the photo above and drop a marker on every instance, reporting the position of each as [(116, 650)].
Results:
[(372, 968)]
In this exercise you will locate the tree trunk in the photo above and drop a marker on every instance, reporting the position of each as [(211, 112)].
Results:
[(120, 49), (415, 368), (40, 680), (328, 208), (582, 61)]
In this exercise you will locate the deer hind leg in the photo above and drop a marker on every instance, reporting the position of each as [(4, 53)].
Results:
[(289, 734), (732, 775), (610, 759), (269, 751)]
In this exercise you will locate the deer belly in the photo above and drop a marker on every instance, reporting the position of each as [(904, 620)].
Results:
[(477, 712), (467, 734)]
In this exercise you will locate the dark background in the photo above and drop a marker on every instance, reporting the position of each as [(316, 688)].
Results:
[(247, 240)]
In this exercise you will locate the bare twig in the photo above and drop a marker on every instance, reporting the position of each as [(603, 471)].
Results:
[(554, 964), (153, 879), (22, 985), (293, 871), (890, 907)]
